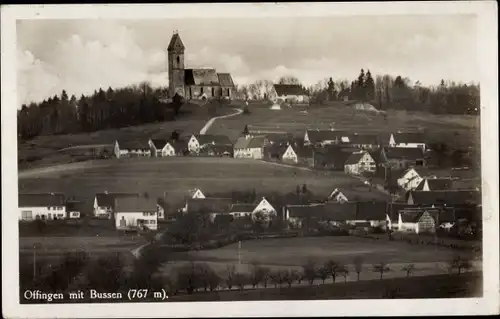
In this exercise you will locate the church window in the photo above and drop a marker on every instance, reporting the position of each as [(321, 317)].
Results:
[(178, 60), (201, 90), (213, 92), (228, 93)]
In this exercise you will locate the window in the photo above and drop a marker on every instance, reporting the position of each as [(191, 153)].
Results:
[(201, 90), (152, 222), (144, 214), (178, 60), (60, 215), (228, 92), (213, 91), (27, 215)]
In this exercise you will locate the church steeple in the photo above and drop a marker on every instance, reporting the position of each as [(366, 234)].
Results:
[(176, 43), (176, 65)]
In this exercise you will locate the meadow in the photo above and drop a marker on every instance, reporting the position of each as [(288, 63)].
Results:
[(176, 176)]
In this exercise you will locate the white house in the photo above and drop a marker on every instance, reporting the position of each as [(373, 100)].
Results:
[(241, 210), (74, 209), (360, 162), (411, 140), (326, 137), (249, 147), (104, 203), (264, 208), (337, 196), (161, 148), (289, 155), (135, 213), (42, 206), (198, 142), (289, 93), (417, 221), (197, 193), (131, 149), (410, 179)]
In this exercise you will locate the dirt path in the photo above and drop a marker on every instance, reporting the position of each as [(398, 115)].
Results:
[(212, 120)]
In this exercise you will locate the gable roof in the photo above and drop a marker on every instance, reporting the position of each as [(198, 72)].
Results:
[(209, 205), (242, 208), (75, 206), (175, 43), (466, 184), (251, 142), (331, 156), (213, 139), (354, 158), (408, 137), (317, 136), (364, 139), (158, 143), (132, 144), (306, 211), (436, 184), (41, 200), (413, 215), (371, 211), (409, 153), (225, 79), (218, 149), (127, 204), (448, 197), (201, 77), (289, 89), (393, 210), (340, 212), (108, 199)]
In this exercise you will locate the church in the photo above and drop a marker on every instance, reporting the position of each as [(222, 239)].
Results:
[(194, 83)]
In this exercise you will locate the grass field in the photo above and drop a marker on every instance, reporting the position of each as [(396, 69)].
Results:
[(178, 175), (457, 130)]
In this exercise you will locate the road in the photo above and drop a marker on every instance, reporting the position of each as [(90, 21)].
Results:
[(212, 120)]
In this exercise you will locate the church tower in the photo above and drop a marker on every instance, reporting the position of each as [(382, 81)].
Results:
[(176, 66)]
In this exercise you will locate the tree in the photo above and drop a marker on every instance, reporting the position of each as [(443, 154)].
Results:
[(245, 130), (276, 278), (369, 87), (240, 280), (459, 263), (288, 79), (381, 268), (304, 189), (290, 277), (230, 274), (323, 273), (344, 272), (332, 267), (332, 94), (256, 274), (309, 270), (408, 269), (175, 135)]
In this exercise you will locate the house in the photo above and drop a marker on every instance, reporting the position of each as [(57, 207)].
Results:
[(340, 213), (407, 139), (360, 162), (199, 142), (209, 206), (196, 193), (131, 149), (217, 150), (249, 147), (162, 148), (74, 209), (296, 214), (134, 212), (364, 141), (290, 153), (44, 206), (331, 157), (289, 93), (104, 203), (466, 184), (326, 137), (337, 196), (241, 210), (264, 207), (194, 83), (402, 157), (444, 198), (410, 179), (418, 220), (434, 184), (372, 213)]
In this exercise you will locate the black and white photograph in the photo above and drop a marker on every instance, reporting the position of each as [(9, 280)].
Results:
[(220, 155)]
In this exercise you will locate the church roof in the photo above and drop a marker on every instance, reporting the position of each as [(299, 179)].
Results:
[(225, 79), (176, 43), (201, 77)]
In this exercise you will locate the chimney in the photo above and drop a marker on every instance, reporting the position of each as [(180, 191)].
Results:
[(105, 192)]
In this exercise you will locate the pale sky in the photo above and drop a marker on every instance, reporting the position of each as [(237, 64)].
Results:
[(83, 55)]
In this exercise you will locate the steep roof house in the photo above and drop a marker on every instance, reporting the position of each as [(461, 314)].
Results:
[(331, 158), (360, 162), (418, 220), (364, 141), (402, 157), (42, 206), (290, 93), (444, 197), (407, 139), (126, 148), (435, 184), (104, 203), (249, 147), (198, 142), (337, 196), (163, 147), (410, 179), (132, 212)]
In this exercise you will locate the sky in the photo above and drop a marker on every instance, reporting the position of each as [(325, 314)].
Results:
[(83, 55)]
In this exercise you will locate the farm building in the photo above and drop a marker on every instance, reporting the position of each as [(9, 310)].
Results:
[(196, 193), (402, 157), (199, 142), (359, 163), (325, 137), (209, 206), (337, 196), (296, 214), (290, 94), (340, 213), (289, 153), (331, 158), (45, 206), (249, 147), (434, 184), (372, 213), (411, 140), (131, 149), (418, 220), (135, 213), (466, 184), (217, 150), (74, 208), (104, 203), (162, 148), (194, 83), (265, 208), (410, 179), (443, 198), (241, 210), (364, 141)]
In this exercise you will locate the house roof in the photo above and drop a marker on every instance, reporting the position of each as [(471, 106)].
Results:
[(371, 211), (354, 158), (409, 153), (409, 137), (201, 77), (209, 205), (41, 200), (448, 197), (305, 211), (131, 204), (365, 139), (413, 215), (225, 79), (108, 199), (436, 184), (242, 208), (159, 143), (251, 142), (317, 136), (466, 184), (331, 156), (75, 206), (393, 210), (133, 144), (213, 139), (340, 212), (176, 43), (289, 89), (219, 149), (303, 151)]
